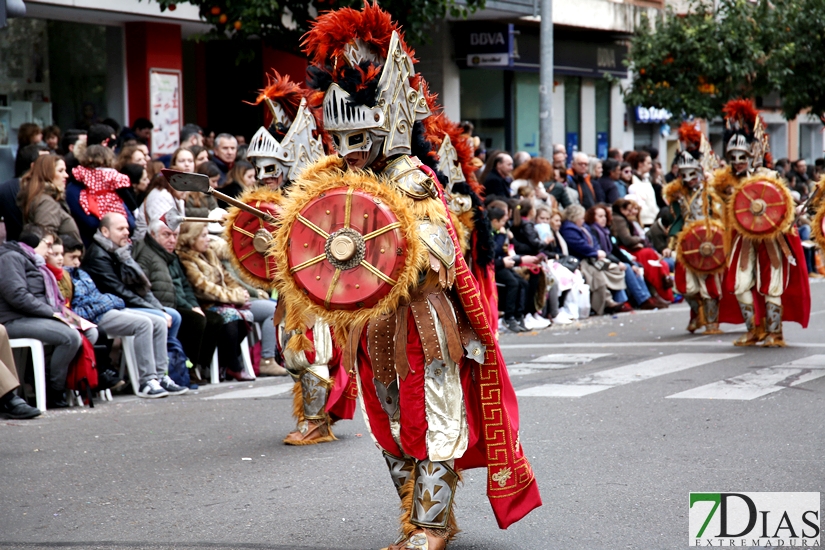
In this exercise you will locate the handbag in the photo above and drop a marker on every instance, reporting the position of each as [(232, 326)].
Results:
[(570, 262)]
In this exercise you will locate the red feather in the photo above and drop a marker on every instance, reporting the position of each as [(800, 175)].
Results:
[(332, 31), (283, 91), (690, 136), (741, 111)]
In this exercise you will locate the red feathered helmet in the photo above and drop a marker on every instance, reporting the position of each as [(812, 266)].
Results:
[(294, 142), (360, 61), (740, 120), (688, 158)]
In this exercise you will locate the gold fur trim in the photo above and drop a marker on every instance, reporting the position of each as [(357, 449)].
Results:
[(326, 174), (464, 225), (406, 493), (297, 402), (722, 180), (787, 219), (681, 236), (819, 218), (298, 343), (251, 196), (673, 190)]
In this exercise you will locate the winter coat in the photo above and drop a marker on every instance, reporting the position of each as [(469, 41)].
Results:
[(494, 184), (88, 224), (643, 189), (157, 203), (22, 287), (579, 241), (207, 204), (169, 283), (623, 230), (526, 240), (559, 192), (212, 283), (608, 188), (50, 214), (113, 277), (589, 195), (88, 301)]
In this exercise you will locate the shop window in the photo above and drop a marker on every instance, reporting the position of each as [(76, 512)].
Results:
[(572, 114), (482, 103), (810, 142), (602, 117), (527, 112)]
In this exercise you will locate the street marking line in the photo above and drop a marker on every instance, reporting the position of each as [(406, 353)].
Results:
[(760, 382), (611, 378), (554, 361), (251, 393)]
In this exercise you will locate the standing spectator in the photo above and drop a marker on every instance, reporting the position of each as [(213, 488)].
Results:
[(42, 197), (51, 137), (579, 180), (520, 158), (156, 255), (625, 179), (162, 197), (71, 139), (191, 135), (93, 193), (199, 205), (538, 173), (219, 293), (109, 312), (607, 182), (11, 405), (560, 158), (28, 308), (615, 154), (496, 176), (239, 179), (133, 196), (209, 140), (101, 134), (131, 154), (798, 179), (9, 210), (28, 134), (141, 131), (226, 147), (674, 170), (200, 153), (642, 187)]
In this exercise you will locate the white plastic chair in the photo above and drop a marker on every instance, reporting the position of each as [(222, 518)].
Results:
[(129, 362), (215, 375), (38, 365)]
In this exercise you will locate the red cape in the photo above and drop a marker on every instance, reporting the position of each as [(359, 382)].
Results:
[(796, 299), (511, 485)]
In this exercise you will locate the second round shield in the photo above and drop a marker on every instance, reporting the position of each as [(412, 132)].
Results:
[(701, 247)]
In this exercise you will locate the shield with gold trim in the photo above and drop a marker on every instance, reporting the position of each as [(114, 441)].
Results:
[(762, 207), (249, 236), (347, 248), (701, 247)]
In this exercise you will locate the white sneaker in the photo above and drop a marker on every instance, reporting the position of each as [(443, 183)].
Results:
[(530, 323), (169, 385), (152, 390), (541, 321), (562, 319)]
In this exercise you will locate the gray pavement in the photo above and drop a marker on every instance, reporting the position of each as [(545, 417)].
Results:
[(659, 413)]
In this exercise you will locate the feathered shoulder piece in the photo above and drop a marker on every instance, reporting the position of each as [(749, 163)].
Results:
[(436, 128), (690, 136), (346, 37), (740, 114), (673, 191), (283, 98)]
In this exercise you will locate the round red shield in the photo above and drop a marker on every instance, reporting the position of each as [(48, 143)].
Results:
[(346, 249), (760, 208), (250, 236), (702, 247)]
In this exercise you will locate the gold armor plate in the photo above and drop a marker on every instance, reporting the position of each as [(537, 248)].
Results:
[(406, 174), (438, 241)]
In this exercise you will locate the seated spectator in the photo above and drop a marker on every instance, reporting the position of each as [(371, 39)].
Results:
[(93, 192), (30, 307), (631, 238), (156, 255), (240, 178), (538, 173), (581, 244), (42, 197), (658, 232), (497, 175), (217, 292), (513, 294), (578, 179), (134, 196), (599, 220), (11, 405), (527, 242), (109, 262), (199, 205), (131, 154), (109, 312), (611, 172)]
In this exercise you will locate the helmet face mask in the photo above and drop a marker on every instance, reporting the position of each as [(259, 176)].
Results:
[(351, 141), (689, 174), (268, 169)]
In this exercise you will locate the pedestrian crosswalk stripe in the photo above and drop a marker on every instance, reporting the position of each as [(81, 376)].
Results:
[(760, 382), (261, 391), (611, 378), (554, 361)]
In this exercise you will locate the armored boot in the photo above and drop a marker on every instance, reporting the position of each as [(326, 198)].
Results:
[(401, 472), (712, 316), (310, 396), (754, 334), (773, 321), (429, 524), (695, 315)]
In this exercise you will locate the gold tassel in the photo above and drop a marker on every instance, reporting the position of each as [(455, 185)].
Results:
[(407, 528), (298, 402)]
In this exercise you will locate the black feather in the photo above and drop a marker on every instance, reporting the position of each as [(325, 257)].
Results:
[(319, 78)]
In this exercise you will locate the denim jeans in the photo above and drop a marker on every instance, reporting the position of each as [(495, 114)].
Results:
[(263, 311), (65, 339), (636, 287)]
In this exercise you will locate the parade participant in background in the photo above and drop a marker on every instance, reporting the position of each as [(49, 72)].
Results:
[(323, 392), (766, 264), (697, 233), (415, 352)]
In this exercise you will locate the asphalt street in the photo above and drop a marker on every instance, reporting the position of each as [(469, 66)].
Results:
[(621, 417)]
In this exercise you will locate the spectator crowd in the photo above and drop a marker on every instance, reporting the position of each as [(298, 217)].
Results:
[(89, 258)]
